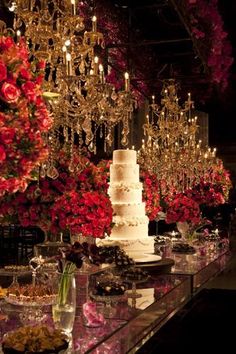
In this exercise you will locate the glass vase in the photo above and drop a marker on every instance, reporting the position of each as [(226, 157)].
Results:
[(63, 310), (183, 228), (80, 238)]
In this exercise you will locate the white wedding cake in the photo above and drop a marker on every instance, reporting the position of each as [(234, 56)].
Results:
[(130, 231)]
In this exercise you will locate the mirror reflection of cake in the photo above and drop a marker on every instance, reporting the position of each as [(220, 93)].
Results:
[(130, 230)]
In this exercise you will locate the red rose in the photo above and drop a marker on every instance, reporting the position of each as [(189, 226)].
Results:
[(25, 74), (2, 154), (6, 43), (7, 135), (29, 90), (9, 92), (3, 71)]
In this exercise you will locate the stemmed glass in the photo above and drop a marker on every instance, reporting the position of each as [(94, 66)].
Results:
[(35, 264)]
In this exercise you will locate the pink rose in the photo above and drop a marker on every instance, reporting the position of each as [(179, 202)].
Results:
[(9, 92), (3, 71), (2, 154)]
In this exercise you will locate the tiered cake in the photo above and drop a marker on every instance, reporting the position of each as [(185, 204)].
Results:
[(130, 231)]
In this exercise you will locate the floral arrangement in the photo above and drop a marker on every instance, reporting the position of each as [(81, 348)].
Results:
[(33, 206), (23, 116), (150, 194), (182, 209), (207, 25), (88, 213), (206, 193), (214, 189)]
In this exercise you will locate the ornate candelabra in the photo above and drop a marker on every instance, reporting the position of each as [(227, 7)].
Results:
[(82, 103), (170, 149)]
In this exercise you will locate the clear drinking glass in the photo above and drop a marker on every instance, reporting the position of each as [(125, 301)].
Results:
[(63, 311)]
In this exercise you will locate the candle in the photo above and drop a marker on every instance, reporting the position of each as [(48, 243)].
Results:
[(68, 64), (101, 72), (67, 43), (95, 65), (64, 51), (18, 34), (94, 24), (73, 8), (126, 81)]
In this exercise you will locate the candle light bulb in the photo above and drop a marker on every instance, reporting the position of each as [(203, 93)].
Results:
[(68, 64), (126, 81), (95, 65), (18, 34), (101, 72), (94, 23), (73, 7), (64, 51), (67, 43)]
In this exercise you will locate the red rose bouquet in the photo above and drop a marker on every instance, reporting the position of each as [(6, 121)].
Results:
[(33, 206), (151, 195), (88, 213), (23, 116), (181, 209)]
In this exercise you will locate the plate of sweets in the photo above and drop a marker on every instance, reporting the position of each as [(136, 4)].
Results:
[(30, 295), (39, 339)]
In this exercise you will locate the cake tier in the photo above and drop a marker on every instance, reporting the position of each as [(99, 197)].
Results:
[(125, 193), (127, 228), (124, 173), (135, 210), (124, 156)]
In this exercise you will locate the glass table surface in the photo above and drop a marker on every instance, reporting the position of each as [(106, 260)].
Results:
[(132, 322), (200, 268)]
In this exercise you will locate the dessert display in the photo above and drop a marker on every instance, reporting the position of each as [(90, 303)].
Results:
[(110, 254), (134, 274), (183, 248), (130, 231), (38, 339), (17, 268), (30, 295), (109, 288)]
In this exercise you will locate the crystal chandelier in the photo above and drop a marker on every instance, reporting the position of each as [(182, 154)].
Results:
[(170, 149), (82, 103)]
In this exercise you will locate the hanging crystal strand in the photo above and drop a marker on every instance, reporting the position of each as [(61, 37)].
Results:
[(79, 132), (71, 164), (38, 191), (125, 131)]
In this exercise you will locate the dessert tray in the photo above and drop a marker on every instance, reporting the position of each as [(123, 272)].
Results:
[(15, 271), (30, 296)]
